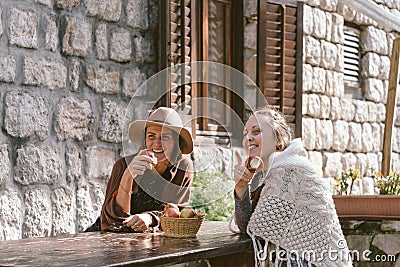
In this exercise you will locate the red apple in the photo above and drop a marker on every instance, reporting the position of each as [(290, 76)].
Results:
[(187, 212), (253, 163), (171, 205), (171, 212), (150, 153)]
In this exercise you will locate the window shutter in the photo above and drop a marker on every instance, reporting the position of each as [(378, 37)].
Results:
[(351, 57), (279, 74), (177, 26)]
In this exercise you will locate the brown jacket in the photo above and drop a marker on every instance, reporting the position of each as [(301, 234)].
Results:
[(150, 192)]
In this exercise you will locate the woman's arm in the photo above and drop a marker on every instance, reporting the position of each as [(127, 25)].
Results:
[(243, 210)]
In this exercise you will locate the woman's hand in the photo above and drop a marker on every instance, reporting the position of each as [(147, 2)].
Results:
[(242, 177), (140, 163), (139, 222)]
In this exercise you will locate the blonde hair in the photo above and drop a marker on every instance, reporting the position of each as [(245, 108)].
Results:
[(279, 126)]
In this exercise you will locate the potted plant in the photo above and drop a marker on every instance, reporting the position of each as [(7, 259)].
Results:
[(385, 205)]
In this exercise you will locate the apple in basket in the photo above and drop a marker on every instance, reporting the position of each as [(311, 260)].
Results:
[(171, 210), (188, 212), (253, 163)]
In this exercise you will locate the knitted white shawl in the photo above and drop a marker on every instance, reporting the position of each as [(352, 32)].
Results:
[(296, 213)]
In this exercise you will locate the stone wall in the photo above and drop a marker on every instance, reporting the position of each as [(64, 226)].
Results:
[(68, 71), (338, 130), (373, 243)]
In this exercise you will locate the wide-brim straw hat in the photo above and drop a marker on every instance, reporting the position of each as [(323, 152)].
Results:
[(165, 117)]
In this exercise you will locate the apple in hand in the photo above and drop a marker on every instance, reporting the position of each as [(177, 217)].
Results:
[(253, 163), (171, 212), (150, 153), (187, 212)]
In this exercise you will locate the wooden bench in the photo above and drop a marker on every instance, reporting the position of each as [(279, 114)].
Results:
[(213, 242)]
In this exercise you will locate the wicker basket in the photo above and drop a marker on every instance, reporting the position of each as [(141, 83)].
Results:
[(181, 227)]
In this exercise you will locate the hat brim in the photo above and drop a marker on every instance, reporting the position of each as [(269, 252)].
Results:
[(136, 134)]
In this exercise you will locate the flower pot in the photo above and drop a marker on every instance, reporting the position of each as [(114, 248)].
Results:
[(380, 207)]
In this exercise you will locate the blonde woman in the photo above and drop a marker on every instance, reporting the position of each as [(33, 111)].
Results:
[(285, 207)]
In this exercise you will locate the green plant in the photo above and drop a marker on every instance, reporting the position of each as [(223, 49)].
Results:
[(212, 192), (388, 185), (344, 184)]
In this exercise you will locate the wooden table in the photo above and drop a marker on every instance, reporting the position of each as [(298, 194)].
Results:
[(214, 241)]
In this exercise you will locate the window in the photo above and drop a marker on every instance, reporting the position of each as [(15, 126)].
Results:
[(352, 61), (211, 31), (279, 68)]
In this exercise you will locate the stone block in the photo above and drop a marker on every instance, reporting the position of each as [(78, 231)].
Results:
[(372, 112), (325, 107), (137, 13), (250, 69), (361, 111), (347, 12), (374, 40), (23, 25), (329, 5), (74, 119), (99, 162), (74, 73), (388, 243), (362, 163), (319, 23), (112, 121), (329, 55), (358, 243), (304, 105), (109, 10), (348, 109), (319, 80), (328, 36), (340, 135), (250, 8), (337, 29), (89, 200), (250, 31), (377, 137), (51, 41), (67, 4), (314, 105), (355, 137), (330, 83), (51, 74), (64, 212), (307, 77), (336, 109), (10, 215), (314, 3), (312, 51), (26, 115), (390, 226), (373, 163), (384, 68), (396, 140), (36, 165), (368, 186), (37, 219), (5, 163), (74, 161), (324, 134), (381, 115), (370, 64), (349, 160), (103, 81), (76, 37), (333, 164), (144, 49), (121, 45), (316, 159), (340, 59), (8, 67), (308, 20), (367, 138), (309, 133), (101, 42), (373, 90)]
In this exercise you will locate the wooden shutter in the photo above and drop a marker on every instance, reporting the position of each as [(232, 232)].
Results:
[(177, 46), (279, 68), (351, 57)]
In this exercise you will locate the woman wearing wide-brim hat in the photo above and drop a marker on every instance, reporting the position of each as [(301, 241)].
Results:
[(140, 185)]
